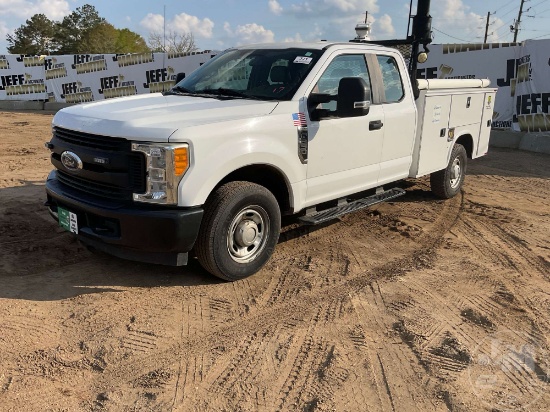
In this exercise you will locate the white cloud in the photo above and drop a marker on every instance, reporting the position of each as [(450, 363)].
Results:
[(153, 22), (180, 23), (3, 30), (455, 18), (296, 39), (25, 9), (249, 33), (227, 28), (191, 24), (334, 8), (383, 26), (275, 7)]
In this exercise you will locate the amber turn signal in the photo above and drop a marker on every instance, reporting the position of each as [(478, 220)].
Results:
[(181, 160)]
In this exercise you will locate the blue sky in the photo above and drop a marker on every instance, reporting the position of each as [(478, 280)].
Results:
[(218, 24)]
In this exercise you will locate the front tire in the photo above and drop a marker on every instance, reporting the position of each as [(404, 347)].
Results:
[(240, 229), (447, 183)]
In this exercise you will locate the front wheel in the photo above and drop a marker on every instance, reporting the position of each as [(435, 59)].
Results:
[(447, 182), (240, 229)]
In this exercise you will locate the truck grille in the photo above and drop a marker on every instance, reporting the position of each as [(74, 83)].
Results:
[(91, 140), (121, 175)]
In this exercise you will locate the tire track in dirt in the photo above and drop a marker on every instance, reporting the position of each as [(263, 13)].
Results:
[(511, 253), (397, 378), (31, 393), (340, 304), (311, 375), (147, 362), (197, 315), (272, 315), (442, 340), (32, 332), (494, 244), (139, 341), (491, 219)]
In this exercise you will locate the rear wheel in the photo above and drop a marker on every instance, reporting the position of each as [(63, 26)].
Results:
[(447, 182), (240, 229)]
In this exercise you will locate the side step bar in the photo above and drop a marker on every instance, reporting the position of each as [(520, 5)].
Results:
[(333, 213)]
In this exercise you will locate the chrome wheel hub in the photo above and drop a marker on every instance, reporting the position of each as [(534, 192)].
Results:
[(456, 173), (248, 234)]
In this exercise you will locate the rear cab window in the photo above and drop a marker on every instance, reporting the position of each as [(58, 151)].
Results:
[(391, 78)]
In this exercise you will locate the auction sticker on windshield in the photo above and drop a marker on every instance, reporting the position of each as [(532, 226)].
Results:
[(67, 220), (303, 60)]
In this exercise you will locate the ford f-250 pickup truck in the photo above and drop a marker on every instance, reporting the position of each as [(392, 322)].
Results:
[(308, 129)]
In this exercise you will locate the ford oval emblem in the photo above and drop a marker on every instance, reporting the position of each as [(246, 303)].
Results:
[(71, 161)]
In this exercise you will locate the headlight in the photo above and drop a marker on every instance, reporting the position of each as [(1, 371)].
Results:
[(166, 165)]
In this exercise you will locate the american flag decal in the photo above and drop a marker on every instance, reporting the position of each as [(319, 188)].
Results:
[(299, 119)]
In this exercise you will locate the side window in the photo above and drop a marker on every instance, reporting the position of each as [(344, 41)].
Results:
[(350, 65), (393, 84)]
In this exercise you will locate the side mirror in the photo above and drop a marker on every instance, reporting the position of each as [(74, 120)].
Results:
[(316, 99), (353, 97), (180, 77)]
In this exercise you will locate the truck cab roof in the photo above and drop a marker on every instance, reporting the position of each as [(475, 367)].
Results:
[(319, 45)]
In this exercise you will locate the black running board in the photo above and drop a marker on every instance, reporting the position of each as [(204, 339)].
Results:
[(333, 213)]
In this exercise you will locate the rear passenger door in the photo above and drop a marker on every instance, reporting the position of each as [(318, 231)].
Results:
[(400, 118)]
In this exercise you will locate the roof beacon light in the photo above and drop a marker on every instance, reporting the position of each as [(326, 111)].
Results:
[(363, 31)]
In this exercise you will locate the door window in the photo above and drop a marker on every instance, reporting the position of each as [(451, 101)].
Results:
[(393, 84), (350, 65)]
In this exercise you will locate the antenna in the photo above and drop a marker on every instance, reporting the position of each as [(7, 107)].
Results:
[(363, 30), (164, 40)]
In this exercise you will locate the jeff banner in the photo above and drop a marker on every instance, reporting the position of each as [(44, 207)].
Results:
[(22, 78), (521, 71), (91, 77)]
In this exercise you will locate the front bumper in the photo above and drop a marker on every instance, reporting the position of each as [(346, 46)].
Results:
[(152, 234)]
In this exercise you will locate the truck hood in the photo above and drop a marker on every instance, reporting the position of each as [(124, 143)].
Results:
[(155, 117)]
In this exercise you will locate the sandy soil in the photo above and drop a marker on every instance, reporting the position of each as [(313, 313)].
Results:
[(415, 305)]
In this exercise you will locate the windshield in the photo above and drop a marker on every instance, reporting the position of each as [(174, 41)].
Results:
[(266, 74)]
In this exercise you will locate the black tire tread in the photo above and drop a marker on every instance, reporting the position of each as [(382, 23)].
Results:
[(217, 201), (439, 180)]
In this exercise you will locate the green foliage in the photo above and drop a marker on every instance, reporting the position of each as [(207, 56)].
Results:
[(72, 31), (33, 37), (81, 32), (130, 42), (105, 38)]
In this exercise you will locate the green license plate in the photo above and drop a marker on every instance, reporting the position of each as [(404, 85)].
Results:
[(67, 220)]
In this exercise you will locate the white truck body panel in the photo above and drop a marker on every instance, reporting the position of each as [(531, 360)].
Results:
[(464, 110), (155, 117)]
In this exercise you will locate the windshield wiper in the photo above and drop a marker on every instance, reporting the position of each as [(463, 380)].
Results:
[(182, 91), (229, 93), (178, 90)]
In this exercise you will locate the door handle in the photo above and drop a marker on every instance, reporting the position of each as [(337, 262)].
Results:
[(376, 125)]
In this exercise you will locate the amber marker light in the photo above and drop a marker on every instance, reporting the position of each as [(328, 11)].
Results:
[(181, 160)]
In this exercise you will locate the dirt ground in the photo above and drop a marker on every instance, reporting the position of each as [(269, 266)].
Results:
[(414, 305)]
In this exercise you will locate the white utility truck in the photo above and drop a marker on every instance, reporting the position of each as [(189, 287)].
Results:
[(308, 129)]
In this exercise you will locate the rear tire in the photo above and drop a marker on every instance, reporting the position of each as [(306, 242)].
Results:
[(240, 229), (447, 183)]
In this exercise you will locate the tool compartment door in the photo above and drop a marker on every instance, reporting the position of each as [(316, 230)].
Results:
[(434, 144), (466, 109), (486, 122)]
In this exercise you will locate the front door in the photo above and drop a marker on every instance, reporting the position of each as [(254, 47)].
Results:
[(344, 152)]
